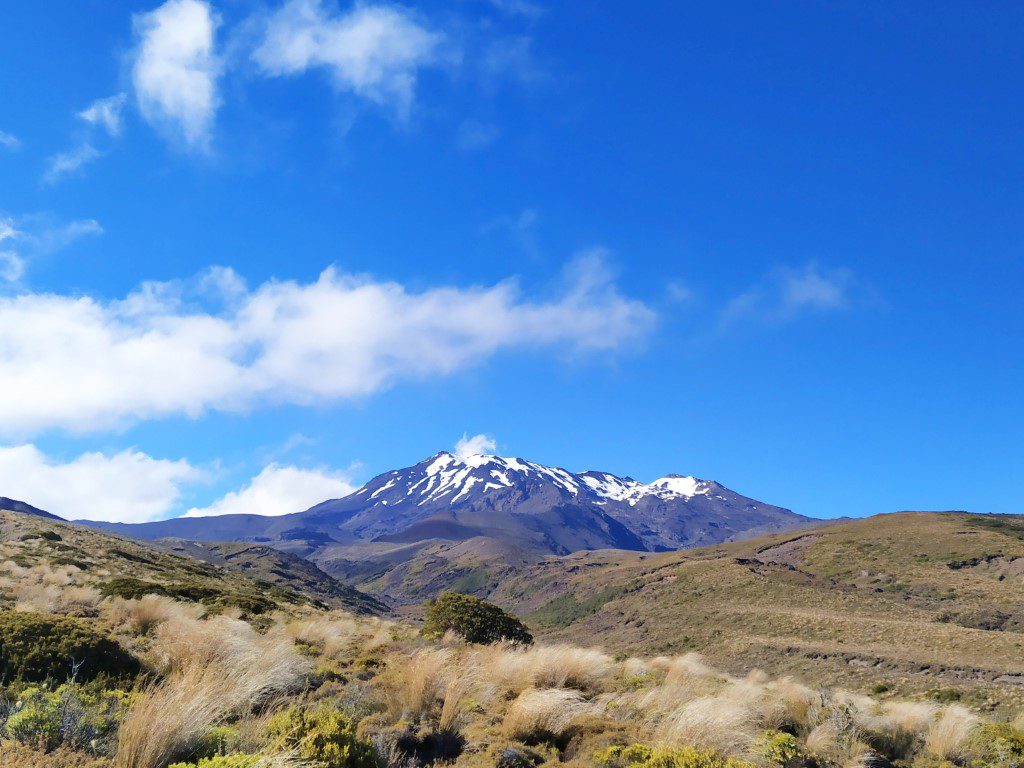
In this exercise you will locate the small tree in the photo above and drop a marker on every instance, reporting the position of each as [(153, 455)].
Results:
[(476, 620)]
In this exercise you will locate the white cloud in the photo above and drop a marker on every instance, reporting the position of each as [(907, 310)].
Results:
[(35, 236), (374, 51), (82, 363), (65, 163), (280, 490), (129, 486), (176, 69), (106, 113), (789, 293), (475, 445), (9, 141)]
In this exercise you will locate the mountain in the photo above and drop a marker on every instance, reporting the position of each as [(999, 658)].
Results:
[(448, 518), (13, 505)]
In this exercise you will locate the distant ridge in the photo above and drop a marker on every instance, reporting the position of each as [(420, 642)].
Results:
[(13, 505)]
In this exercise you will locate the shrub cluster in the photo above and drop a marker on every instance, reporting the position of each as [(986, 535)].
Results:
[(322, 735), (34, 648), (644, 756), (476, 620)]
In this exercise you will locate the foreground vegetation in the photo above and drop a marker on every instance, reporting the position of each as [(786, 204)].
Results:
[(141, 676)]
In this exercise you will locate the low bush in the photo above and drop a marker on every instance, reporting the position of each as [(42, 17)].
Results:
[(68, 716), (222, 761), (131, 588), (476, 620), (643, 756), (782, 749), (322, 735), (34, 648), (996, 745)]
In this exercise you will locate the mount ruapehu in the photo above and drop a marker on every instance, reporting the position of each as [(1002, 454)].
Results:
[(467, 522)]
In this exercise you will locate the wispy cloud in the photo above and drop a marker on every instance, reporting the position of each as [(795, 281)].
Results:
[(34, 236), (82, 363), (9, 141), (789, 293), (176, 69), (373, 51), (106, 113), (474, 136), (67, 163), (519, 8)]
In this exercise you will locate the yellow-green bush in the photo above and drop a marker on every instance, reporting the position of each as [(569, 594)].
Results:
[(68, 716), (323, 735), (996, 745), (222, 761), (781, 749), (644, 756)]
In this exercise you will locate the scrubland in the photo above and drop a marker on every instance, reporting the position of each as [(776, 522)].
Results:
[(214, 686)]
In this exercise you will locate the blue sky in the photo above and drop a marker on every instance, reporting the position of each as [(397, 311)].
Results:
[(252, 254)]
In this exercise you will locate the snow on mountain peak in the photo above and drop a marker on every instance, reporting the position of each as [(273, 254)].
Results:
[(449, 478)]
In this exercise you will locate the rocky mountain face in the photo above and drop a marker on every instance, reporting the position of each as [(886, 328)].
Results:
[(451, 517)]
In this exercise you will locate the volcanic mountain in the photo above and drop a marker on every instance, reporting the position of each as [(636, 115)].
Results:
[(450, 514)]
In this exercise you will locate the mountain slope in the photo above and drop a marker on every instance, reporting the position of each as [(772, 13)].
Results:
[(916, 601)]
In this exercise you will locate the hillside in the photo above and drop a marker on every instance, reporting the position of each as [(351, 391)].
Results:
[(102, 561), (913, 601)]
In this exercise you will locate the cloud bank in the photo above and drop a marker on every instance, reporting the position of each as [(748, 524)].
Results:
[(280, 490), (82, 363), (129, 486)]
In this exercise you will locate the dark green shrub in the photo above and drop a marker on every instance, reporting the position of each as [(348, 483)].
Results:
[(322, 735), (34, 648), (131, 588), (46, 535), (251, 605), (476, 620)]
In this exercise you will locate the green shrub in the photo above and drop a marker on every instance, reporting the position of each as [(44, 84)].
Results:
[(222, 761), (252, 605), (996, 745), (322, 735), (643, 756), (47, 535), (476, 620), (131, 588), (781, 749), (68, 716), (34, 648)]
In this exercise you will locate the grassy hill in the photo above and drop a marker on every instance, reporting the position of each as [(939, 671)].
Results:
[(914, 602), (247, 577)]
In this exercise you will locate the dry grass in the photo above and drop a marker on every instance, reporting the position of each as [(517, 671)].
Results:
[(948, 735), (539, 714), (147, 612), (215, 668)]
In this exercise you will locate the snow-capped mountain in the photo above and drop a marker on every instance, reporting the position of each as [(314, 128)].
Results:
[(533, 507)]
